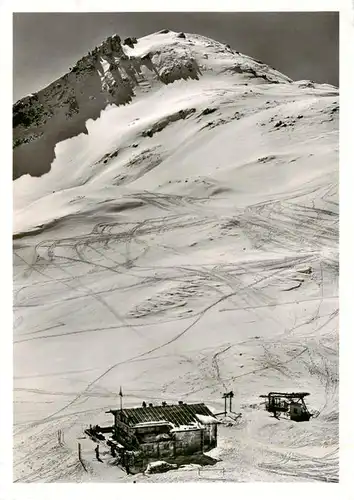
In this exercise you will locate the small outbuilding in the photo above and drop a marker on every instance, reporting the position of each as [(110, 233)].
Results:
[(290, 404)]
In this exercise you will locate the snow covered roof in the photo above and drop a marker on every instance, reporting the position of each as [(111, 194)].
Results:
[(207, 419), (189, 427), (178, 415)]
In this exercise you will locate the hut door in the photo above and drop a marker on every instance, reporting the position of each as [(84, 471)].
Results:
[(202, 440)]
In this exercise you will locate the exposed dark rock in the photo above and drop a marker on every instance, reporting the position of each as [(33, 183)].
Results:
[(265, 159), (73, 106), (183, 69), (129, 41), (159, 126), (208, 111)]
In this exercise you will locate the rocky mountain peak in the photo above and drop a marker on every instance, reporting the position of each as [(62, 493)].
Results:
[(114, 73)]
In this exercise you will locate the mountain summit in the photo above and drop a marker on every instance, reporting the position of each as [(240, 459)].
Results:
[(114, 73)]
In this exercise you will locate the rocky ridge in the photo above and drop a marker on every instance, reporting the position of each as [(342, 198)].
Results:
[(113, 73)]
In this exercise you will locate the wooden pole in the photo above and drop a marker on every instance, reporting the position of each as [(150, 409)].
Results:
[(231, 395), (225, 403), (79, 454), (121, 399)]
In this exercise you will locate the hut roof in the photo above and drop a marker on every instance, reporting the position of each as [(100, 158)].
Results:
[(178, 415)]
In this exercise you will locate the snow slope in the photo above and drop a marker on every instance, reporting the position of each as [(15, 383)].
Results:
[(186, 245)]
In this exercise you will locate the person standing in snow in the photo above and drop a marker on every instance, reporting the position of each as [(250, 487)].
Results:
[(273, 406), (97, 451)]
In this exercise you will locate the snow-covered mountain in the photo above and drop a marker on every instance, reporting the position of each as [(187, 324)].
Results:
[(181, 242), (112, 73)]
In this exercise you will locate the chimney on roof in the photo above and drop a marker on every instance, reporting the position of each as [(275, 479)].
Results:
[(150, 404)]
